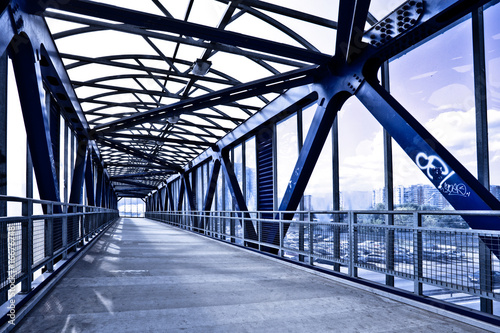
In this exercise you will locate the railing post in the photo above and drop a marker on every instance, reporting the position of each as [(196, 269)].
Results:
[(243, 224), (353, 245), (389, 252), (280, 221), (417, 253), (485, 276), (27, 246), (259, 229), (232, 227), (336, 244), (83, 221), (64, 231), (49, 237), (301, 236), (311, 238)]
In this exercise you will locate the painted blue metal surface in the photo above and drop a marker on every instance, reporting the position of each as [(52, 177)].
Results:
[(76, 194), (236, 193), (161, 23), (460, 188), (89, 180), (36, 120), (212, 185)]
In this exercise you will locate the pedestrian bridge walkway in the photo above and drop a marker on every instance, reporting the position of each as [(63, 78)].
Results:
[(145, 276)]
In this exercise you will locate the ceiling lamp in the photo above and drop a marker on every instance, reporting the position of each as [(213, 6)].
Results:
[(201, 67)]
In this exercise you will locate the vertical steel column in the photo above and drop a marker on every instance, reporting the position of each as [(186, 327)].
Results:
[(89, 179), (389, 187), (482, 144), (36, 118), (65, 162), (336, 191), (300, 140), (3, 169), (27, 227), (311, 238), (98, 195)]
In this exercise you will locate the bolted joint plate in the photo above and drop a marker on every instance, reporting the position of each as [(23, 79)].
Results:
[(353, 82), (400, 20)]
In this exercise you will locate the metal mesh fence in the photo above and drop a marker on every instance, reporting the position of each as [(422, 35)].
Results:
[(38, 241), (26, 242), (14, 249), (57, 240), (439, 253)]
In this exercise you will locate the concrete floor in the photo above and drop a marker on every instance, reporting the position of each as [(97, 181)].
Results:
[(144, 276)]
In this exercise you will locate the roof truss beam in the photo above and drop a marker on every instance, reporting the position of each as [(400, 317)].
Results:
[(167, 24)]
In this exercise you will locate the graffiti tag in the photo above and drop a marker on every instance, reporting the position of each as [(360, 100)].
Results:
[(455, 189), (435, 168)]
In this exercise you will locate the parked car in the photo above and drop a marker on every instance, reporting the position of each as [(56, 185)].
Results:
[(495, 276)]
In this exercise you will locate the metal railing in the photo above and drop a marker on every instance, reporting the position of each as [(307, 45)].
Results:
[(432, 249), (38, 233)]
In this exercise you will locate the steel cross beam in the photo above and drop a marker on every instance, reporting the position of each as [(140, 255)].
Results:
[(283, 81), (89, 180), (76, 194), (212, 186), (139, 175), (136, 152), (237, 195), (158, 139), (99, 190), (287, 12), (351, 26), (139, 185), (36, 120), (160, 23), (460, 188)]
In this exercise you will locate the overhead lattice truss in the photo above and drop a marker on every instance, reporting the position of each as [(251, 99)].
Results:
[(129, 58)]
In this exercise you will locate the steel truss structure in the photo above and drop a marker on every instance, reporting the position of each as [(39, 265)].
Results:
[(146, 120)]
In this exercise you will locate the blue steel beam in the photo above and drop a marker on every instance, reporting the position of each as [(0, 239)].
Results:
[(212, 185), (6, 29), (136, 152), (183, 28), (236, 194), (351, 26), (191, 198), (318, 132), (170, 197), (164, 199), (98, 195), (140, 175), (278, 109), (460, 188), (287, 80), (181, 196), (76, 195), (32, 98), (89, 180), (134, 183)]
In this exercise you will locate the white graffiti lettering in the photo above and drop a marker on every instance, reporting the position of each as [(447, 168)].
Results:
[(434, 165), (456, 189)]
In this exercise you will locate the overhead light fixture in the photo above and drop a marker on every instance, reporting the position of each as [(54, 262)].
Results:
[(201, 67), (173, 119)]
